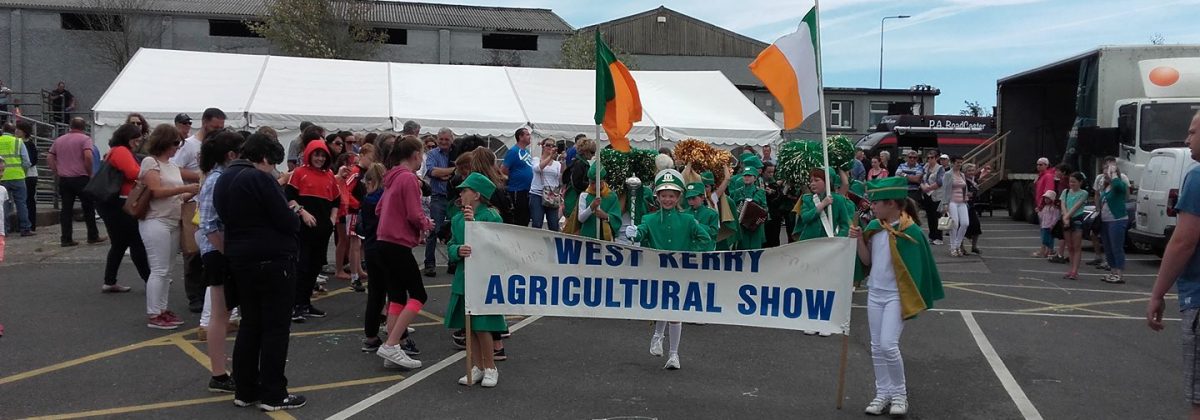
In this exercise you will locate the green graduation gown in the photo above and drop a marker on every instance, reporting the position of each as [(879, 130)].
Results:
[(748, 239), (711, 221), (672, 230), (917, 276), (455, 313), (808, 224), (611, 205)]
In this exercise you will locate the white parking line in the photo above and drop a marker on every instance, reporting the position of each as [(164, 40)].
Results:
[(1010, 384), (413, 380), (1089, 274)]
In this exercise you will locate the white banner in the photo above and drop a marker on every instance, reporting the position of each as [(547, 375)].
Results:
[(521, 271)]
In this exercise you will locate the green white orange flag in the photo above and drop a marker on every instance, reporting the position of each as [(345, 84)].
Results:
[(618, 105), (788, 69)]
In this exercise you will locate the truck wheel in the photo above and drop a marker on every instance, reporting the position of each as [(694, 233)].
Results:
[(1016, 191)]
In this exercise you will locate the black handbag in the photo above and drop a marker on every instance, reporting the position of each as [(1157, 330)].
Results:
[(105, 186)]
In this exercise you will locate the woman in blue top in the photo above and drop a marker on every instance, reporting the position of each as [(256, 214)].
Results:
[(1072, 200), (1114, 218)]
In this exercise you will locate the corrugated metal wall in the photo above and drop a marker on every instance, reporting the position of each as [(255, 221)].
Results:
[(679, 35)]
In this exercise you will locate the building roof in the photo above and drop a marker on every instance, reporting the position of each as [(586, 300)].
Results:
[(919, 90), (390, 13), (642, 34)]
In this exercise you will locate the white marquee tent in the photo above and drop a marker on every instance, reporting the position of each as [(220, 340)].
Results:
[(280, 92)]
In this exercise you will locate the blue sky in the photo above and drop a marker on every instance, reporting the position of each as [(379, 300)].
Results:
[(958, 46)]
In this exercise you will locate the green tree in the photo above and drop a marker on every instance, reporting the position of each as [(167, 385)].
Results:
[(973, 109), (579, 52), (320, 28)]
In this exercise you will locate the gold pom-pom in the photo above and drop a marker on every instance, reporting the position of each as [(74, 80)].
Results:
[(703, 157)]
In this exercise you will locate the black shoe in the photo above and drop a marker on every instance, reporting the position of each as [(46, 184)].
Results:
[(27, 234), (298, 315), (223, 383), (312, 312), (975, 250), (410, 348), (357, 286), (327, 269), (196, 309), (499, 355), (371, 344), (244, 403), (430, 271), (69, 244), (290, 402), (459, 338)]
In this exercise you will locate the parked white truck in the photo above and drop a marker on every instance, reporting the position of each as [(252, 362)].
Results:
[(1126, 101)]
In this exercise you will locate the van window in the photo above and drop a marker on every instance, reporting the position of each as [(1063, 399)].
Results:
[(1165, 125)]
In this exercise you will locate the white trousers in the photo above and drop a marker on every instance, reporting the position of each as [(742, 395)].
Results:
[(883, 315), (161, 237), (958, 229)]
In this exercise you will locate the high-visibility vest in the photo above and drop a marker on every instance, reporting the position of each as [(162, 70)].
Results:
[(10, 151)]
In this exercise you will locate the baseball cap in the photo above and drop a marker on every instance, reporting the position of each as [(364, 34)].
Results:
[(183, 119), (1050, 194), (1043, 161)]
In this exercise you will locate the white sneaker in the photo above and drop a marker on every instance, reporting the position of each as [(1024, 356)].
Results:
[(656, 345), (877, 406), (397, 356), (824, 334), (388, 364), (938, 242), (899, 405), (672, 362), (490, 378), (411, 330), (476, 376), (810, 332)]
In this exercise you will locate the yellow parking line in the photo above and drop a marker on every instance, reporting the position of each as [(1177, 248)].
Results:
[(965, 289), (91, 357), (295, 334), (432, 316), (1081, 305), (191, 350), (225, 398)]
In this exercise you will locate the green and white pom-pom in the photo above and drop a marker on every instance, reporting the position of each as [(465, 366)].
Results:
[(620, 166)]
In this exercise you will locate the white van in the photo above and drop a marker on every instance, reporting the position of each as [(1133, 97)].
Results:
[(1157, 195)]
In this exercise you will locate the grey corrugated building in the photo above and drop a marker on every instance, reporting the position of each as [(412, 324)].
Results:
[(50, 40), (664, 39)]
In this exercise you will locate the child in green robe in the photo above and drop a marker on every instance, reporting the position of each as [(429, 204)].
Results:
[(749, 191), (669, 229), (590, 211), (706, 216), (899, 289), (477, 189)]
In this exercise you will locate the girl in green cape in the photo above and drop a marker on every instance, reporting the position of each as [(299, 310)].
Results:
[(476, 190), (903, 281), (589, 211), (669, 229)]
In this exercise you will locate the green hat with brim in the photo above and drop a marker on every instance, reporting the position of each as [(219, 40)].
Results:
[(750, 171), (479, 183), (708, 177), (750, 160), (668, 179), (591, 174), (891, 188), (694, 189), (858, 187)]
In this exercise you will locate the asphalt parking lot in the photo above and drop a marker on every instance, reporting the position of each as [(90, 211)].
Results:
[(1011, 340)]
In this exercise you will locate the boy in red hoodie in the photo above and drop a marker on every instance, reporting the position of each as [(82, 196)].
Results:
[(314, 189)]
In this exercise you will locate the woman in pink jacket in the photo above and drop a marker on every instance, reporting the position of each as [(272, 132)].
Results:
[(402, 226)]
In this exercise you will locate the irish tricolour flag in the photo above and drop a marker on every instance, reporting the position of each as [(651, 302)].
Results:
[(788, 68)]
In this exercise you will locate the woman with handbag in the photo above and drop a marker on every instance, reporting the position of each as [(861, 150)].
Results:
[(545, 195), (954, 203), (121, 227), (160, 223)]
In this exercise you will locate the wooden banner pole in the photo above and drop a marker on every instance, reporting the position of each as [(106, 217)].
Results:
[(841, 389), (470, 346)]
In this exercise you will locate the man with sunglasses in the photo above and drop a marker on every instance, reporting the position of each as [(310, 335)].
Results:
[(912, 170), (183, 123)]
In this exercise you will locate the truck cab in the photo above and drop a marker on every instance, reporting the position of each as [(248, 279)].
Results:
[(1145, 125)]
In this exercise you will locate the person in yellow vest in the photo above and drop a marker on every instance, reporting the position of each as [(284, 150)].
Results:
[(669, 229), (477, 190), (16, 163), (899, 288)]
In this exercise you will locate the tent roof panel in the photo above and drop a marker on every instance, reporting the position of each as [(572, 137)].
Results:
[(224, 81), (560, 102), (703, 105), (469, 99), (336, 94)]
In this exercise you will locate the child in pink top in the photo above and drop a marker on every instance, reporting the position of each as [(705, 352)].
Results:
[(402, 225), (1048, 215)]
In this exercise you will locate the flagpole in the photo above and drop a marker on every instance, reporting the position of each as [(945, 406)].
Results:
[(841, 388), (599, 230), (824, 123)]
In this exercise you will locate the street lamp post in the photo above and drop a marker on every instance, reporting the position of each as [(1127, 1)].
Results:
[(881, 44)]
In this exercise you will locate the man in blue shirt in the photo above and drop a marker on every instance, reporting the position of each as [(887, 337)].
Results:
[(1181, 264), (438, 169), (914, 171), (518, 165)]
